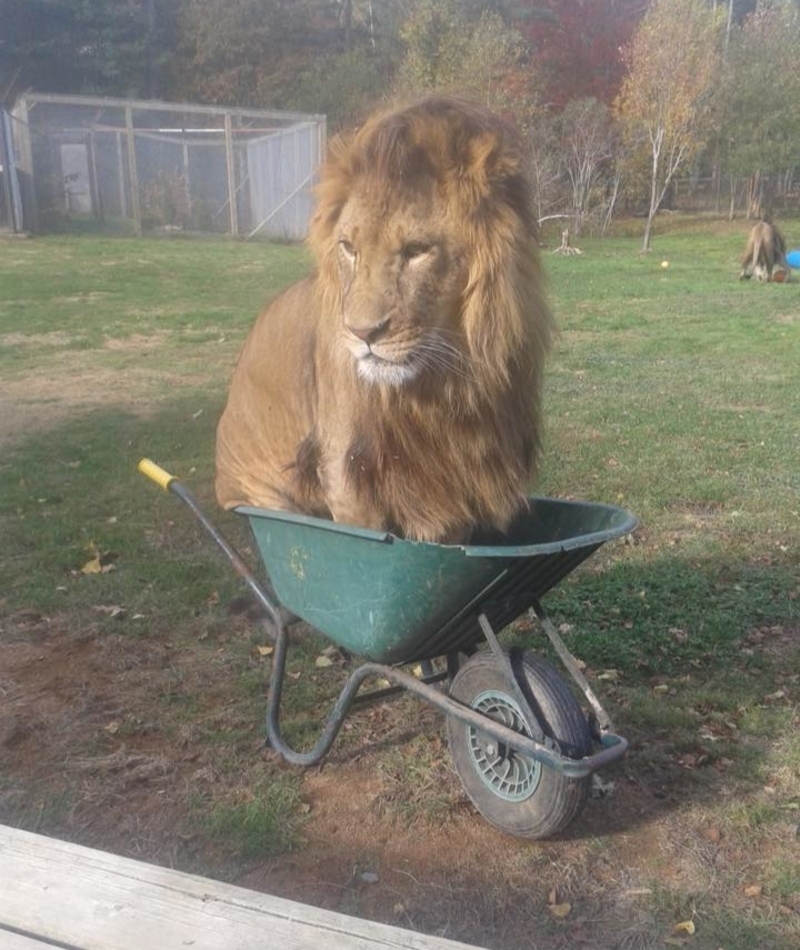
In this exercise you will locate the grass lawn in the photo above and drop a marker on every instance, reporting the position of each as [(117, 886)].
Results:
[(131, 697)]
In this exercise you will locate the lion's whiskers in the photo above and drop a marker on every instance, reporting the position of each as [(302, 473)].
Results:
[(443, 357)]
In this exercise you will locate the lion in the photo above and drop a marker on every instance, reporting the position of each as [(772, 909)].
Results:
[(766, 250), (398, 387)]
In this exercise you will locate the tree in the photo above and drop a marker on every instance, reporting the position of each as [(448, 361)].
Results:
[(666, 98), (760, 100), (352, 67), (331, 56), (344, 86), (241, 52), (108, 47), (578, 46), (446, 51), (587, 147)]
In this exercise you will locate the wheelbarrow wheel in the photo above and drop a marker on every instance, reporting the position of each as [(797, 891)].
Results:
[(514, 793)]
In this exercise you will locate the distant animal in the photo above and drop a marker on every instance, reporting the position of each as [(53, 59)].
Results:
[(399, 387), (765, 250)]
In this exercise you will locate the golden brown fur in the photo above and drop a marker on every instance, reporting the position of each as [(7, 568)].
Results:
[(399, 386), (766, 249)]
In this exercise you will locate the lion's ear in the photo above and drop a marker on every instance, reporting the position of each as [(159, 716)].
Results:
[(490, 165)]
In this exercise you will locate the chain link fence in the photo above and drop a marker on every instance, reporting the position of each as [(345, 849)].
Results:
[(152, 166)]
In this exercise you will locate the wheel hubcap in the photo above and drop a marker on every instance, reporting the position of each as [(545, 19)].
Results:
[(508, 774)]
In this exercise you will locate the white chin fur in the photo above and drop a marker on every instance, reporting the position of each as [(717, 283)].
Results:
[(391, 374)]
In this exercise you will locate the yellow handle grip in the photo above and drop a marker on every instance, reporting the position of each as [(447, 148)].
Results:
[(155, 472)]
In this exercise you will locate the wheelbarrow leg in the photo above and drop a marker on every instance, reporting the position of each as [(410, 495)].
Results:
[(505, 662), (602, 718)]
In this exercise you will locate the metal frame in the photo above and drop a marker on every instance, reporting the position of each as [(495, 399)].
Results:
[(538, 746)]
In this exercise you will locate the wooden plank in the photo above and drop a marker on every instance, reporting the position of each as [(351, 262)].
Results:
[(93, 900), (14, 941)]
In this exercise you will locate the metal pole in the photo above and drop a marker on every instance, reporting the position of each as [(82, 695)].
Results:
[(133, 174), (232, 204), (30, 208), (123, 196)]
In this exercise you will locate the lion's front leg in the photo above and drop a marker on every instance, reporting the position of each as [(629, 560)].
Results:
[(347, 503)]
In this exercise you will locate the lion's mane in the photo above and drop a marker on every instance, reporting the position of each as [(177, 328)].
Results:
[(399, 387)]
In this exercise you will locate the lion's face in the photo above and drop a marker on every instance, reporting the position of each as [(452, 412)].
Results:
[(402, 275)]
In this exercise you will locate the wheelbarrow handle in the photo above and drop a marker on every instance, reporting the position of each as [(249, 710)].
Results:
[(170, 483), (156, 473)]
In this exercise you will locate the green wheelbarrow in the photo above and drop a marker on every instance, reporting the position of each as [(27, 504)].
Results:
[(520, 741)]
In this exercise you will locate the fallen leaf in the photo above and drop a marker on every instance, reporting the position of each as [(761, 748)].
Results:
[(686, 926), (322, 661), (690, 760), (265, 650), (560, 910), (99, 563), (112, 610), (752, 890), (92, 567)]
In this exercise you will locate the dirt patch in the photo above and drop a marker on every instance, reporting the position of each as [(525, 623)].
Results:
[(71, 382), (40, 403), (57, 338), (87, 754), (137, 341)]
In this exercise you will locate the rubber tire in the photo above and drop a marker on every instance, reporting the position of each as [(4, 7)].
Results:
[(556, 800)]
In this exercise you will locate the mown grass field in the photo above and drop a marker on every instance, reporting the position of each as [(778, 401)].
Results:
[(131, 698)]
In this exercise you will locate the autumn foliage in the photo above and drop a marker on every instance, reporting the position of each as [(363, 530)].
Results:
[(580, 46)]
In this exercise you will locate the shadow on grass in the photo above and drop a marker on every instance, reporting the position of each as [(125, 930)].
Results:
[(684, 652)]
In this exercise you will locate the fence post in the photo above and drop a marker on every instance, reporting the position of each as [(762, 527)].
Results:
[(94, 184), (132, 173), (123, 195), (231, 175), (30, 207)]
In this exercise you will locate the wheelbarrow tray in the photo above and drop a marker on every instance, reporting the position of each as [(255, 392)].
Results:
[(395, 601)]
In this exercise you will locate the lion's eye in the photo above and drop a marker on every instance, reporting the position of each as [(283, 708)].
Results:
[(415, 250), (347, 249)]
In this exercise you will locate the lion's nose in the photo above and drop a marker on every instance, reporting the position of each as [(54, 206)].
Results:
[(369, 332)]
